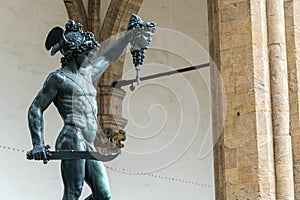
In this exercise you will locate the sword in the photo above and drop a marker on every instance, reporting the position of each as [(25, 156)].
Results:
[(73, 155), (121, 83)]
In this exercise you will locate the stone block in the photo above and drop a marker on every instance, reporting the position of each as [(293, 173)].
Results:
[(230, 156), (231, 175)]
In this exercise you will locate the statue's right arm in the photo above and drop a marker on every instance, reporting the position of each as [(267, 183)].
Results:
[(35, 114)]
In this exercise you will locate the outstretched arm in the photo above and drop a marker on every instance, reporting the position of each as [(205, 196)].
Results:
[(35, 114), (113, 51)]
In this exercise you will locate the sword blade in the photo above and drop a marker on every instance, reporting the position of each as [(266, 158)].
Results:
[(75, 155)]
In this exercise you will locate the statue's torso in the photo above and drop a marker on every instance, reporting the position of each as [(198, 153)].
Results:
[(76, 103)]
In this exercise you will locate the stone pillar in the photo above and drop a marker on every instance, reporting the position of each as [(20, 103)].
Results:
[(110, 107), (244, 163), (280, 100), (116, 21), (292, 25), (217, 95), (110, 119), (109, 98)]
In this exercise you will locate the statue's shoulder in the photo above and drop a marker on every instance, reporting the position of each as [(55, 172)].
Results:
[(56, 77)]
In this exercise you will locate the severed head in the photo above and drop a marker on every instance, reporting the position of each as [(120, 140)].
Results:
[(141, 32)]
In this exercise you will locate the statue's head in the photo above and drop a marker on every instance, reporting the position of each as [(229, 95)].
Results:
[(142, 32), (71, 42)]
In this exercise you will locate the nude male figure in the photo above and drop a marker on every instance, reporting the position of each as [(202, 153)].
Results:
[(71, 90)]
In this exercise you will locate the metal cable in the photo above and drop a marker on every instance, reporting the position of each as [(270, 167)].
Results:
[(127, 171)]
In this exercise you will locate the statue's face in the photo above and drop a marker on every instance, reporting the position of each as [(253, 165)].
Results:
[(142, 40)]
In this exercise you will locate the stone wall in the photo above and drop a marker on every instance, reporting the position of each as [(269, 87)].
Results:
[(256, 53)]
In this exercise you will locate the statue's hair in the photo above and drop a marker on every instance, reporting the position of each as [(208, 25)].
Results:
[(136, 22), (76, 41)]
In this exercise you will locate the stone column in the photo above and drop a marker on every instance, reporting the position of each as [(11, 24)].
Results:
[(244, 164), (216, 106), (110, 107), (280, 100), (292, 25), (109, 98)]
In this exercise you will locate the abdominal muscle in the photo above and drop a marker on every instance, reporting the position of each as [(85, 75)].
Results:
[(80, 122), (78, 134)]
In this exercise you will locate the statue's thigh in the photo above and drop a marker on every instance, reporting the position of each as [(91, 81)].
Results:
[(73, 173), (96, 177), (70, 138)]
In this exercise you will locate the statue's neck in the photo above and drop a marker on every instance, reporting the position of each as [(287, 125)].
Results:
[(73, 67)]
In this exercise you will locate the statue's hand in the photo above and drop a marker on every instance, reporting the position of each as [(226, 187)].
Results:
[(38, 153)]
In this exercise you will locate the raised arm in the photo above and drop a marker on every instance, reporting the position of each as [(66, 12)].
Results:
[(112, 52), (35, 114)]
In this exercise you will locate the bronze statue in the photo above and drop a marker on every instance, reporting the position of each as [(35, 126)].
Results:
[(71, 90)]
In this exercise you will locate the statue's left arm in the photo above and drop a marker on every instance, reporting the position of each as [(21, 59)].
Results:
[(35, 114), (112, 52)]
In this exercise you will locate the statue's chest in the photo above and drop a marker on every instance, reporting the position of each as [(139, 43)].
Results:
[(78, 86)]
